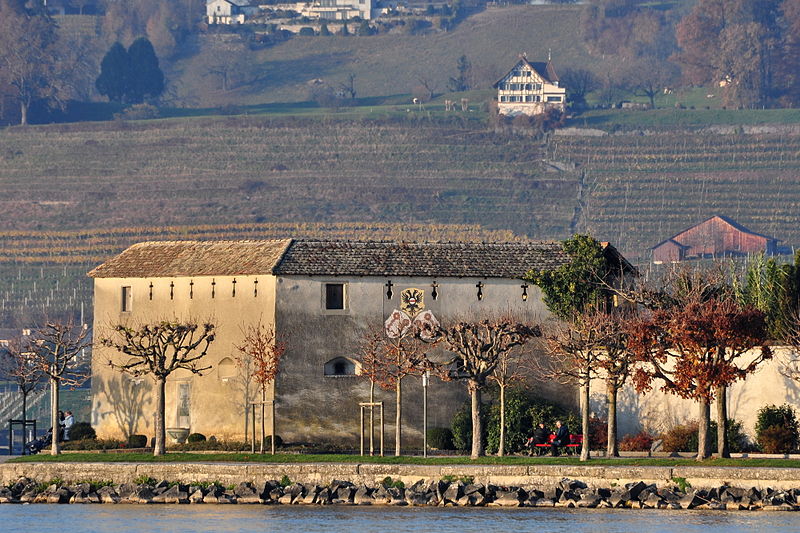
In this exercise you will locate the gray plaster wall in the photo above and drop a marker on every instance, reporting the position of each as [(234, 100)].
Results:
[(314, 408)]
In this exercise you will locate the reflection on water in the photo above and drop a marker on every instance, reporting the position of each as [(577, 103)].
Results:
[(240, 518)]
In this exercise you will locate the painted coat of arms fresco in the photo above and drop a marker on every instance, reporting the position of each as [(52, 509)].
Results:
[(411, 313)]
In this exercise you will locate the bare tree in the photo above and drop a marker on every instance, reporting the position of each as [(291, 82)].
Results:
[(510, 369), (386, 360), (478, 347), (262, 349), (17, 365), (348, 87), (575, 349), (54, 350), (158, 349)]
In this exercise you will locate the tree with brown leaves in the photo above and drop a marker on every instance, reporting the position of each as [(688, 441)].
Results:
[(261, 351), (386, 360), (54, 350), (16, 364), (158, 349), (694, 351), (478, 348)]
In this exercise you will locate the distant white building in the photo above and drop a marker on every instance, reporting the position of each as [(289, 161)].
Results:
[(342, 9), (530, 88), (229, 11)]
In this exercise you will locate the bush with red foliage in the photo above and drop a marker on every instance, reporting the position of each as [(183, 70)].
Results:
[(640, 442)]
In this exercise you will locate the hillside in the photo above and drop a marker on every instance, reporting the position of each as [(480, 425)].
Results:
[(384, 64), (76, 194)]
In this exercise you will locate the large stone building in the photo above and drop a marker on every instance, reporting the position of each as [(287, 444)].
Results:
[(530, 88), (320, 296)]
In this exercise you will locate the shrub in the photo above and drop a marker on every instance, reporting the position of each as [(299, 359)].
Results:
[(640, 442), (518, 422), (777, 429), (461, 426), (82, 431), (138, 112), (598, 433), (137, 441), (440, 438), (196, 437), (306, 31), (682, 438), (777, 439)]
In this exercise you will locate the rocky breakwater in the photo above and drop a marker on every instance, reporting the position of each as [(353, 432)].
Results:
[(566, 493)]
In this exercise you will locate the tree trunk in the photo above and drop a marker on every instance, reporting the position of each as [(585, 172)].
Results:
[(703, 442), (24, 406), (263, 418), (723, 446), (397, 418), (502, 447), (477, 422), (23, 112), (161, 426), (585, 421), (55, 423), (611, 445)]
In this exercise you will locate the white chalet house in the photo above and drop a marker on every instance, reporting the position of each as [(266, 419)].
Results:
[(530, 88), (229, 11)]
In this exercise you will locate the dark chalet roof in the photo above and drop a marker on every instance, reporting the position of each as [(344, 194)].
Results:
[(545, 69), (331, 258)]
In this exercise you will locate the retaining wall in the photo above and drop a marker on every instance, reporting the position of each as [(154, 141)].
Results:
[(371, 474)]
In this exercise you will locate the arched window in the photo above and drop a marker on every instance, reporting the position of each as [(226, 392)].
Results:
[(226, 369), (342, 367)]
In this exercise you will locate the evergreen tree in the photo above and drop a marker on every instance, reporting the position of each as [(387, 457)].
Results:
[(324, 31), (146, 79), (114, 73)]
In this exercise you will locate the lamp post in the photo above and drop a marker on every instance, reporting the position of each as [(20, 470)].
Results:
[(425, 378)]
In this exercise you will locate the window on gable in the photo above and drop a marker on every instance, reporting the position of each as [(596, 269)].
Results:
[(126, 300), (334, 296)]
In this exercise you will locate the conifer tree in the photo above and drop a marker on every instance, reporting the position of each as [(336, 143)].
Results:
[(115, 70), (147, 79)]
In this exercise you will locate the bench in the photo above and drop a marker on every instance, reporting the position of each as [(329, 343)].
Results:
[(575, 441)]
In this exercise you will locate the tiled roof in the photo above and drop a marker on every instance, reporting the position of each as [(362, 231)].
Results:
[(193, 258), (332, 258), (353, 258)]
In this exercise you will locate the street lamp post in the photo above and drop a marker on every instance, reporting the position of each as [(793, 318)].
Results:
[(425, 378)]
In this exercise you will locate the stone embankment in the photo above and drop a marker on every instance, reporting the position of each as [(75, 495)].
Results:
[(445, 492)]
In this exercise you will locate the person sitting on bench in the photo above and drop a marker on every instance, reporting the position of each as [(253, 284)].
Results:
[(562, 437)]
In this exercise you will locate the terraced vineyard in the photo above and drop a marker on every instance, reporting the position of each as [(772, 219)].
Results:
[(259, 170), (640, 190), (74, 195)]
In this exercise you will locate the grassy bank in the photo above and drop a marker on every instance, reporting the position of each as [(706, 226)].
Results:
[(187, 457)]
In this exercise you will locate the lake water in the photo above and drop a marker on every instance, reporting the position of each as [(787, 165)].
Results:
[(236, 518)]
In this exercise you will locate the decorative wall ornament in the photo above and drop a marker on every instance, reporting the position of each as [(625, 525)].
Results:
[(399, 324), (412, 301)]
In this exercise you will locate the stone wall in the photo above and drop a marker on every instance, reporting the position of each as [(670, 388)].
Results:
[(373, 474)]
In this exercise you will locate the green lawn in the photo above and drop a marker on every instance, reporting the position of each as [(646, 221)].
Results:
[(175, 457)]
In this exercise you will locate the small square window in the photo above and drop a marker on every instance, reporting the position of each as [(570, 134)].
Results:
[(334, 296), (127, 300)]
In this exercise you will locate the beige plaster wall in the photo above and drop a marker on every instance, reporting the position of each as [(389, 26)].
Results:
[(657, 411), (123, 406), (316, 408)]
